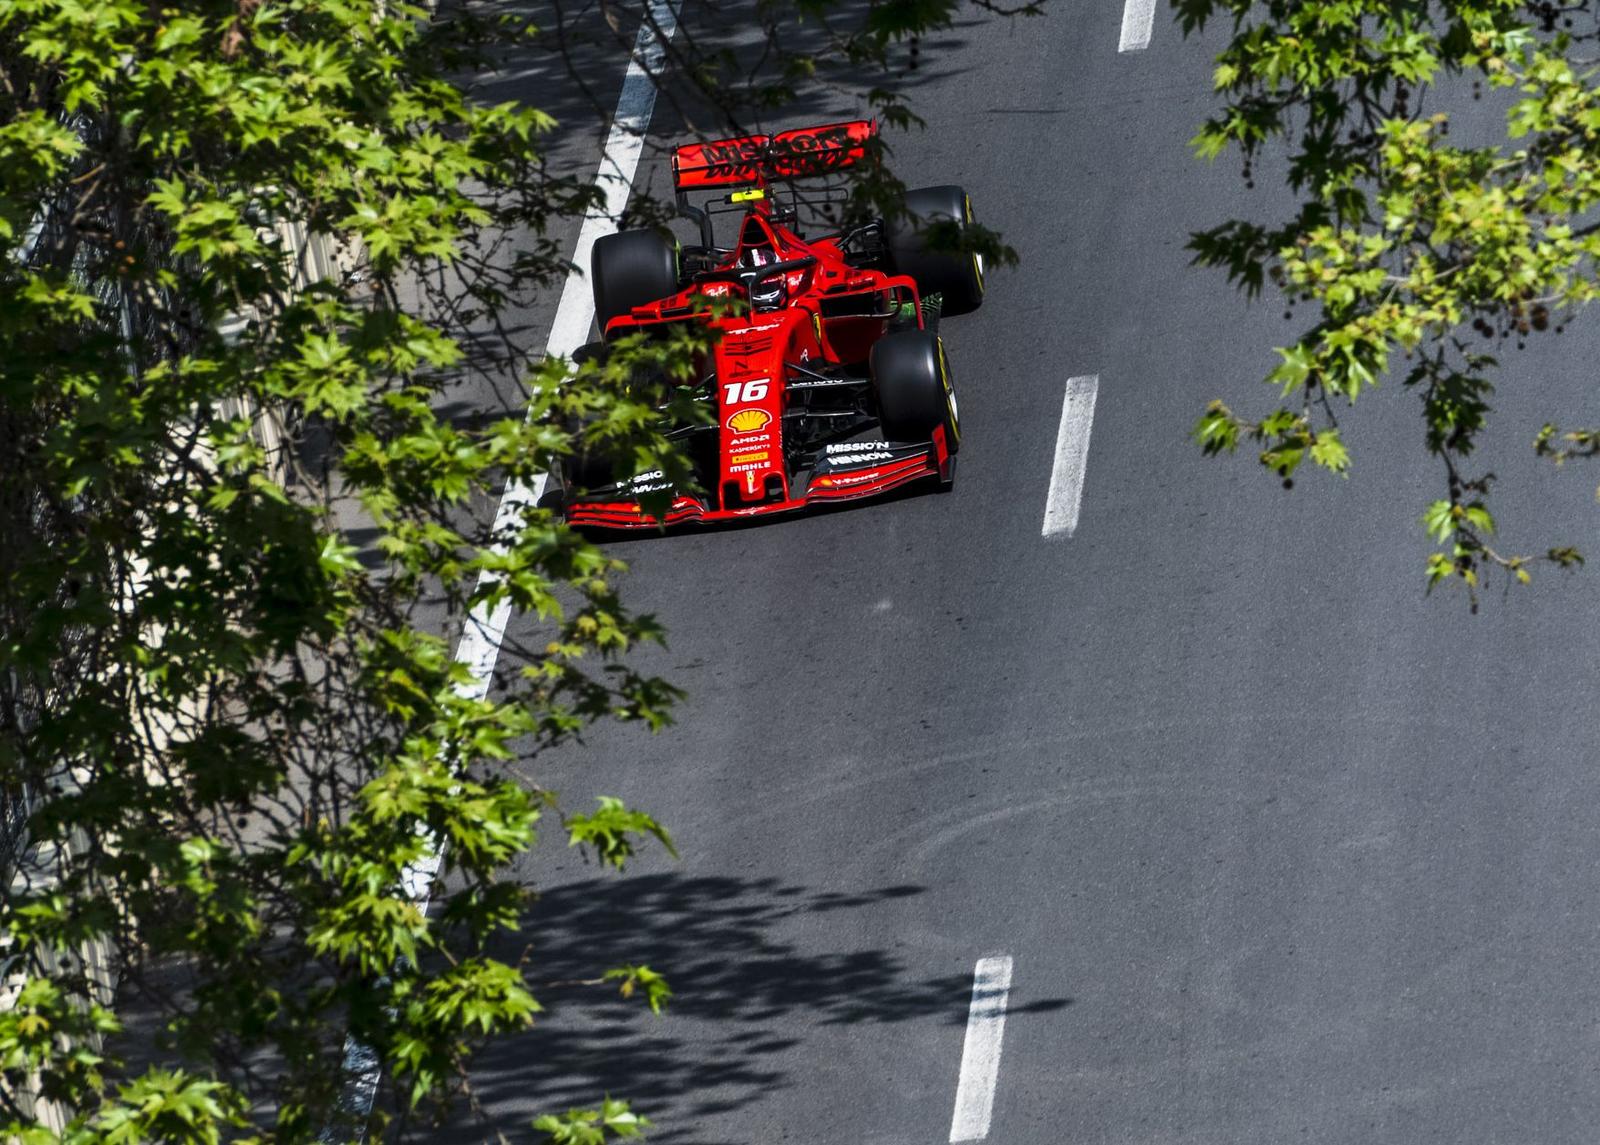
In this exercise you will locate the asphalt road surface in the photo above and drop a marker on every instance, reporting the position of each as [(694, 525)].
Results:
[(1273, 847)]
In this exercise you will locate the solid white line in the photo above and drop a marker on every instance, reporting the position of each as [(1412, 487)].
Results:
[(479, 648), (1137, 18), (486, 629), (1072, 456), (619, 163), (980, 1055)]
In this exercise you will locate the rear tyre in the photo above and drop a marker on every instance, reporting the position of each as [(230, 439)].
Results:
[(912, 379), (631, 268), (958, 277)]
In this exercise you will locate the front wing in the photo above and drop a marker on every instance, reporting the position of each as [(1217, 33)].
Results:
[(842, 479)]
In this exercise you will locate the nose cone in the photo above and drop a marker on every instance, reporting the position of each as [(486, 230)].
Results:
[(750, 396)]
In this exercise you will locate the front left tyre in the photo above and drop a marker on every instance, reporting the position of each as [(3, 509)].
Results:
[(911, 377)]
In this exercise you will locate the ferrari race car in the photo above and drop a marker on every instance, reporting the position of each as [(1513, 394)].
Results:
[(832, 384)]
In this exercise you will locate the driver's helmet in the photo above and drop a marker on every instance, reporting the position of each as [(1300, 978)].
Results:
[(769, 293)]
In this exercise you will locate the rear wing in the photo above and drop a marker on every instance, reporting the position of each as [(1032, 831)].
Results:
[(762, 159)]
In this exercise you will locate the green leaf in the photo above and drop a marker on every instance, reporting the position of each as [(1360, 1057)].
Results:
[(611, 831)]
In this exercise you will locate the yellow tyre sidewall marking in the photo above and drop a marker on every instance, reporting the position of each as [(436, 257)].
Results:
[(977, 259), (949, 394)]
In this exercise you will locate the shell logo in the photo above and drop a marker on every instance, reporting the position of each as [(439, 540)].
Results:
[(749, 420)]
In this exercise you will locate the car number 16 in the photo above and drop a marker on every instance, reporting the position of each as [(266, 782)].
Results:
[(735, 393)]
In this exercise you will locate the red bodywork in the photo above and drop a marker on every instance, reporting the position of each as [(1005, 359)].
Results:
[(755, 358)]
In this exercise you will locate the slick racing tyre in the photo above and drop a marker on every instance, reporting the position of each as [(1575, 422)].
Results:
[(958, 277), (631, 268), (586, 472), (586, 468), (912, 381)]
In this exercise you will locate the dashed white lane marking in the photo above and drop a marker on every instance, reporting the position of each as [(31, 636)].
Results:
[(1072, 456), (1138, 16), (486, 628), (980, 1055)]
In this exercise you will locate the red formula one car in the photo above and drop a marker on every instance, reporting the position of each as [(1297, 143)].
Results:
[(834, 385)]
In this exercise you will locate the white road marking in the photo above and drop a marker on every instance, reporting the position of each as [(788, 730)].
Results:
[(1072, 456), (980, 1055), (485, 630), (619, 163), (1138, 16)]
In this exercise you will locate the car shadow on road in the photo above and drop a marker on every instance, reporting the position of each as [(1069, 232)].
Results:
[(748, 981)]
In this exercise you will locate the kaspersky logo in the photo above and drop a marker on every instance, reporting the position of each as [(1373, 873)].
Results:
[(749, 420)]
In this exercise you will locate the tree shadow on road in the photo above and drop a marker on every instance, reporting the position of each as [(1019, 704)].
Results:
[(745, 991)]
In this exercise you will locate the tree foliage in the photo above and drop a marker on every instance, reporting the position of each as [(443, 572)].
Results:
[(1425, 258), (238, 736)]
